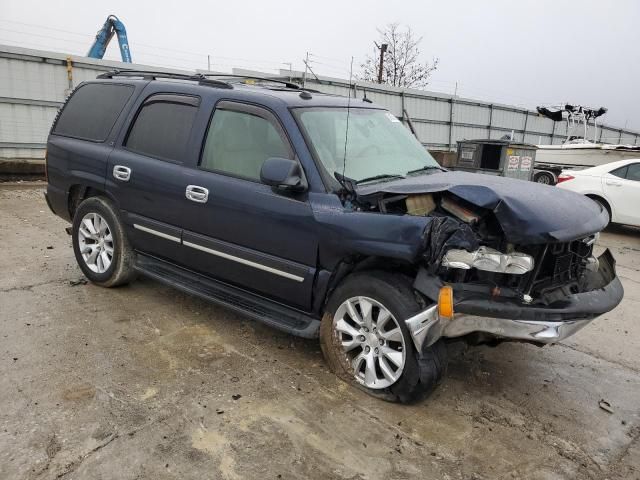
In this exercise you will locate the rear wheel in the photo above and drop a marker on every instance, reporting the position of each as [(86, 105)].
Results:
[(546, 178), (100, 244), (366, 342)]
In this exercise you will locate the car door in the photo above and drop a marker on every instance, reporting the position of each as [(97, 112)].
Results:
[(237, 229), (146, 173), (622, 188)]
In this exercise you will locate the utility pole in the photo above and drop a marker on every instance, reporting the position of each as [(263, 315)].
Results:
[(383, 49), (209, 63), (306, 67)]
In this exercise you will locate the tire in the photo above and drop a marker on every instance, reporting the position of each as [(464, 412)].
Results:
[(604, 205), (100, 244), (420, 372), (546, 178)]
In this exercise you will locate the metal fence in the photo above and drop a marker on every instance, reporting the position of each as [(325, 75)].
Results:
[(441, 120), (34, 85)]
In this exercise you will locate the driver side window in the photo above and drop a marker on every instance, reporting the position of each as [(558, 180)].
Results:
[(239, 142)]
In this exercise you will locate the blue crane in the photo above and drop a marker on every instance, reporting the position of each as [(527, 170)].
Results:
[(112, 26)]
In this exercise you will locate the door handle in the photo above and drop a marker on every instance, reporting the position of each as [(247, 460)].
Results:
[(613, 183), (121, 172), (197, 194)]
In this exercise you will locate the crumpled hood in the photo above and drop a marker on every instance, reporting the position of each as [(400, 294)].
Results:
[(528, 212)]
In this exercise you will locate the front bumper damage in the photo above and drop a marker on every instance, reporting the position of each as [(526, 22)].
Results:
[(509, 319)]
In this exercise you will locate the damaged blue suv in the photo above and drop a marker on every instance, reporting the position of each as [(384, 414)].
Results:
[(320, 216)]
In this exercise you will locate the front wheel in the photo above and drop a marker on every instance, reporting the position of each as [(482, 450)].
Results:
[(100, 244), (366, 342)]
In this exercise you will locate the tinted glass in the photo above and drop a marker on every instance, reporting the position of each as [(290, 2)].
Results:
[(633, 173), (619, 172), (162, 130), (92, 110), (238, 143)]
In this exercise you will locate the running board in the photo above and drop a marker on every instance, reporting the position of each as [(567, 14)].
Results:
[(258, 308)]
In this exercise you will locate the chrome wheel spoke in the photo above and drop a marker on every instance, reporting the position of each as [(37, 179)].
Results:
[(386, 370), (106, 261), (91, 259), (370, 375), (372, 341), (357, 363), (366, 308), (353, 312), (343, 327), (85, 233), (383, 317), (102, 226), (88, 223), (345, 330), (394, 335), (348, 345), (395, 356)]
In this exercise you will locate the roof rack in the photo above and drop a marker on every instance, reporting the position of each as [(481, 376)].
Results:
[(252, 77), (151, 75)]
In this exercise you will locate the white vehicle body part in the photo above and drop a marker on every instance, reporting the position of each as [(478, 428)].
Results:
[(617, 183)]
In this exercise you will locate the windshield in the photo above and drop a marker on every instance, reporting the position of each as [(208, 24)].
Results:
[(378, 145)]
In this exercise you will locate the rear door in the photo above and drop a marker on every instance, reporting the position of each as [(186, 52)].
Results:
[(237, 229), (146, 172), (83, 137), (622, 188)]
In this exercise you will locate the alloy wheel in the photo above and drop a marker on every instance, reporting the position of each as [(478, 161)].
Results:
[(372, 341), (96, 242)]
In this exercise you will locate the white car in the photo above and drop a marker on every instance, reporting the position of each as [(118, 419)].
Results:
[(616, 186)]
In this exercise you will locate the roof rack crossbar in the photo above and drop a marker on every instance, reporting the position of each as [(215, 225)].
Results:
[(253, 77), (153, 75)]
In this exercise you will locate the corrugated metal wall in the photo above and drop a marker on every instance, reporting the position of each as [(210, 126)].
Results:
[(33, 85)]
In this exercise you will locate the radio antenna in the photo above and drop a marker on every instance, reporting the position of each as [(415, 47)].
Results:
[(346, 130)]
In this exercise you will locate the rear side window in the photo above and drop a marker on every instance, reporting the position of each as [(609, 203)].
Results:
[(92, 111), (162, 128), (634, 172), (620, 172)]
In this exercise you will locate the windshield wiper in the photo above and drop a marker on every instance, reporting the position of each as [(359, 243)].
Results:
[(426, 168), (384, 176)]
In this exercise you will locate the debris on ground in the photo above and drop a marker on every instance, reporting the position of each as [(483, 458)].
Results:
[(80, 281), (606, 406)]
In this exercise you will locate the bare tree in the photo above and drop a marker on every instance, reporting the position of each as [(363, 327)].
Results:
[(401, 66)]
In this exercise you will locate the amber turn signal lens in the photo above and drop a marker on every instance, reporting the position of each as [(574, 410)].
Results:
[(445, 302)]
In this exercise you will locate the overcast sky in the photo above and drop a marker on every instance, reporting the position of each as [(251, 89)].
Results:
[(523, 52)]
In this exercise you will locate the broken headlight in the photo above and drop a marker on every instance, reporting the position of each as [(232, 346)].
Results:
[(490, 260)]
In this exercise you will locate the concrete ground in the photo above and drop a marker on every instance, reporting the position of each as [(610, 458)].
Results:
[(146, 382)]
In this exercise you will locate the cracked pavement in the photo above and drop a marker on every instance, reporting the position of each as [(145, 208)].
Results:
[(147, 382)]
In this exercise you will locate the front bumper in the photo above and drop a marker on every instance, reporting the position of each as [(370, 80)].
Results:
[(427, 328), (512, 320)]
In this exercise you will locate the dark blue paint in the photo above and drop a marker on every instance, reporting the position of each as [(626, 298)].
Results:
[(310, 234)]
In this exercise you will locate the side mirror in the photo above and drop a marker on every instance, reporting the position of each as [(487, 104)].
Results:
[(283, 173)]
